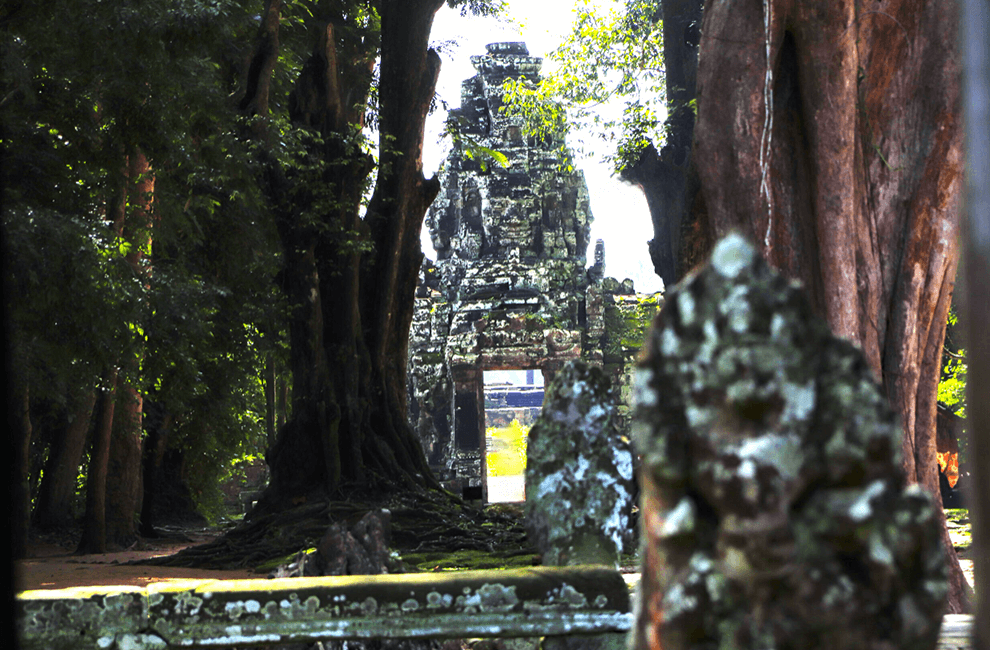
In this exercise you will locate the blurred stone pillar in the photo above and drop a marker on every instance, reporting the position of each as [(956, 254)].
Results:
[(975, 32), (773, 508)]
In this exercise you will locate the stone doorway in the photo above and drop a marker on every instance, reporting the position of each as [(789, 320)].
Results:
[(512, 401)]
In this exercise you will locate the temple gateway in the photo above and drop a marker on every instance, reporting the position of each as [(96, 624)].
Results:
[(511, 288)]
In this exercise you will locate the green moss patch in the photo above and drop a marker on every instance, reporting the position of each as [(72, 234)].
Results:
[(465, 559)]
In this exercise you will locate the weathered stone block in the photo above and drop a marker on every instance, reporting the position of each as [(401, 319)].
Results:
[(774, 512), (579, 472), (509, 289), (522, 603)]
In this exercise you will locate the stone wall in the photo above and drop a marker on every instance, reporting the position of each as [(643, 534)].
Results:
[(510, 288)]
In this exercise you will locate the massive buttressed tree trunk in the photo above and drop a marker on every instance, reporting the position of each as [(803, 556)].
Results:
[(829, 132), (409, 72), (350, 278)]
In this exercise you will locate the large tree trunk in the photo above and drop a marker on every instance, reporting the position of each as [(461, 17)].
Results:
[(124, 493), (20, 484), (831, 136), (94, 533), (409, 72), (112, 508), (351, 310), (158, 424), (58, 485)]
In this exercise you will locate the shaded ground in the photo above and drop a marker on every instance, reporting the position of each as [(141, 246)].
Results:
[(429, 535), (53, 566)]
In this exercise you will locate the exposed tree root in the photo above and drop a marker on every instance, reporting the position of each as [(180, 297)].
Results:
[(422, 521)]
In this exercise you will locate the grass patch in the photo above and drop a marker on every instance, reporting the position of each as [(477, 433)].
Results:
[(959, 528)]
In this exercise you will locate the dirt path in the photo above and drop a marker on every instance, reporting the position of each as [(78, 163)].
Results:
[(53, 566)]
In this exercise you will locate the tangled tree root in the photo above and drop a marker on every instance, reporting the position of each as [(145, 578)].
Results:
[(423, 521)]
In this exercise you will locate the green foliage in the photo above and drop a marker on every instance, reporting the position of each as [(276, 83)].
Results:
[(479, 7), (952, 385), (472, 147), (84, 84), (75, 306), (609, 81)]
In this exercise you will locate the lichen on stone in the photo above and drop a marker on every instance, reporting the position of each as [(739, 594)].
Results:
[(778, 513), (578, 472)]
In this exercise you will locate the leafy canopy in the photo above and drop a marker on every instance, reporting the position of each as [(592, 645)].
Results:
[(606, 80), (952, 385), (84, 85)]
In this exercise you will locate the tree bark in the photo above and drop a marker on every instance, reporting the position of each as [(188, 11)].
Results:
[(21, 492), (58, 486), (830, 135), (124, 493), (94, 533), (409, 72), (270, 381), (158, 424), (351, 281)]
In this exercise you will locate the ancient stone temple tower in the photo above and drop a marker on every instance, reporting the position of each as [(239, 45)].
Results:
[(531, 212), (510, 288)]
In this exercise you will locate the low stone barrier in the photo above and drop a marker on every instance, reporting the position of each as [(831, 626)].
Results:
[(536, 602), (532, 602)]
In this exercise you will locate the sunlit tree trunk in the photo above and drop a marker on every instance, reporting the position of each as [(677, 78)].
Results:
[(94, 530), (112, 508), (124, 493), (830, 133)]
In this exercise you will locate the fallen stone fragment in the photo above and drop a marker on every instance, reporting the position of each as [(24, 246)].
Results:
[(774, 508), (360, 550)]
